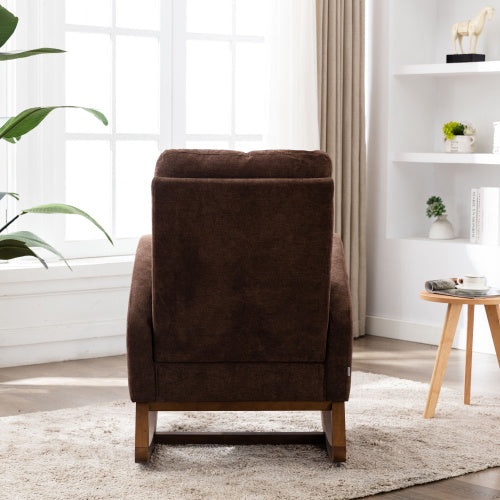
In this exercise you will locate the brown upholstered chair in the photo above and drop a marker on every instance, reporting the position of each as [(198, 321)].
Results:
[(240, 299)]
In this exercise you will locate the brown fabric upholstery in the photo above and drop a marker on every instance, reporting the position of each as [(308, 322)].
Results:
[(195, 163), (240, 274), (140, 361), (189, 382), (340, 329), (240, 296)]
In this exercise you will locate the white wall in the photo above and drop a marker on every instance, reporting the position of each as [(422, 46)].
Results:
[(58, 314), (398, 268)]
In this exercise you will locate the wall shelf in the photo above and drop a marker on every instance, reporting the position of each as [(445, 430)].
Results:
[(454, 241), (486, 67), (448, 158)]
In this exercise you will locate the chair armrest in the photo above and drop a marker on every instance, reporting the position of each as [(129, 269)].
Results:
[(141, 370), (340, 329)]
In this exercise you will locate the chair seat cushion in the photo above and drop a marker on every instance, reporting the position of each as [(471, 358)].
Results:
[(191, 163)]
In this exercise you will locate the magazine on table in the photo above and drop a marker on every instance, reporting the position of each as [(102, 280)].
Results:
[(449, 287)]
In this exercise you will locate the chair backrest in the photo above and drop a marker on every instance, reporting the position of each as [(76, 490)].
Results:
[(241, 256)]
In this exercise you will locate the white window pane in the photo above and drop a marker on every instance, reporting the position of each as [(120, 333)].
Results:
[(247, 146), (251, 17), (250, 88), (88, 80), (88, 187), (137, 84), (135, 164), (208, 87), (88, 12), (139, 15), (209, 16), (207, 144)]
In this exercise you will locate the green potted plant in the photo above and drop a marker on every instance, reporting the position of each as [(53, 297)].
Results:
[(459, 137), (22, 243), (441, 228)]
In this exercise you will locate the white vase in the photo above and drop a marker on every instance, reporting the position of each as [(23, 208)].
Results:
[(441, 229), (460, 144)]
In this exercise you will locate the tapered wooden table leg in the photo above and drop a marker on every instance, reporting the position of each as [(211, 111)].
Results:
[(449, 328), (493, 313), (468, 353)]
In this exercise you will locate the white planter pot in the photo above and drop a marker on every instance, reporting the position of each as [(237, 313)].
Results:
[(441, 229), (461, 144)]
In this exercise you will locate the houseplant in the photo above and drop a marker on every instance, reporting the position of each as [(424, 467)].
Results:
[(459, 137), (21, 243), (441, 228)]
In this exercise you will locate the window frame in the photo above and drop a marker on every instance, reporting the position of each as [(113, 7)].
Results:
[(40, 157), (181, 37)]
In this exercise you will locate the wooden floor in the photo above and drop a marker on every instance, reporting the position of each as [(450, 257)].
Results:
[(75, 383)]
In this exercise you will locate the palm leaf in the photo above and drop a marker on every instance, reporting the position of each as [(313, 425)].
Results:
[(32, 240), (27, 120), (12, 249), (5, 193), (19, 54), (8, 24), (61, 208)]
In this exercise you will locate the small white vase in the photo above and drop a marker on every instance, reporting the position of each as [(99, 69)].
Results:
[(441, 229), (460, 144)]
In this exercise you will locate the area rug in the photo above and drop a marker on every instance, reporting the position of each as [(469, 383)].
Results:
[(88, 452)]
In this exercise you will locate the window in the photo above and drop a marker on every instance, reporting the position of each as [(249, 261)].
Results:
[(222, 95), (178, 73)]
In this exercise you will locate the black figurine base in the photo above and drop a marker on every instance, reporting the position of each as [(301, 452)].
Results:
[(461, 58)]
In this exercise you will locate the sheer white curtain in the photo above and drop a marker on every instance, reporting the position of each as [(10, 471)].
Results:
[(292, 121)]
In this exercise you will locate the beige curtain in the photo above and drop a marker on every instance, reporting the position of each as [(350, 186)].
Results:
[(340, 38)]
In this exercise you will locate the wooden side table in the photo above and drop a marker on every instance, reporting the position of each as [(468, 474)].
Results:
[(491, 305)]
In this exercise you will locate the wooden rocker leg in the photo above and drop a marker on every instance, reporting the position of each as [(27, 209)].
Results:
[(334, 427), (145, 428), (449, 328), (493, 313)]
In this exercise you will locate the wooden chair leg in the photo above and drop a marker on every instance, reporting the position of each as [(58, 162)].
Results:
[(334, 427), (493, 313), (468, 353), (449, 328), (145, 428)]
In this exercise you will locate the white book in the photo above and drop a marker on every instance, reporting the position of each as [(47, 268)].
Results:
[(489, 216), (479, 213), (473, 215)]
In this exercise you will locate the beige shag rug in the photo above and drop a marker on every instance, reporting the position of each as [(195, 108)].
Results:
[(89, 452)]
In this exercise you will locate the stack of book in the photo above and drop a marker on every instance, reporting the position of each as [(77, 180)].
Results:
[(485, 216)]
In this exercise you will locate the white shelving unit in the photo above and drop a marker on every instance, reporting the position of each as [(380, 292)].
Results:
[(448, 158), (478, 68), (454, 241), (426, 92)]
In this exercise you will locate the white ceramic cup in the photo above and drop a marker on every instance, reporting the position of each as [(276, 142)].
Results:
[(473, 281)]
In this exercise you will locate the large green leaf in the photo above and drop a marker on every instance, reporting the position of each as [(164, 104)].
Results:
[(5, 193), (12, 249), (8, 24), (19, 54), (32, 240), (27, 120), (61, 208)]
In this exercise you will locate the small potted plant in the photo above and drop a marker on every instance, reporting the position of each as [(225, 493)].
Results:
[(441, 228), (459, 137)]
